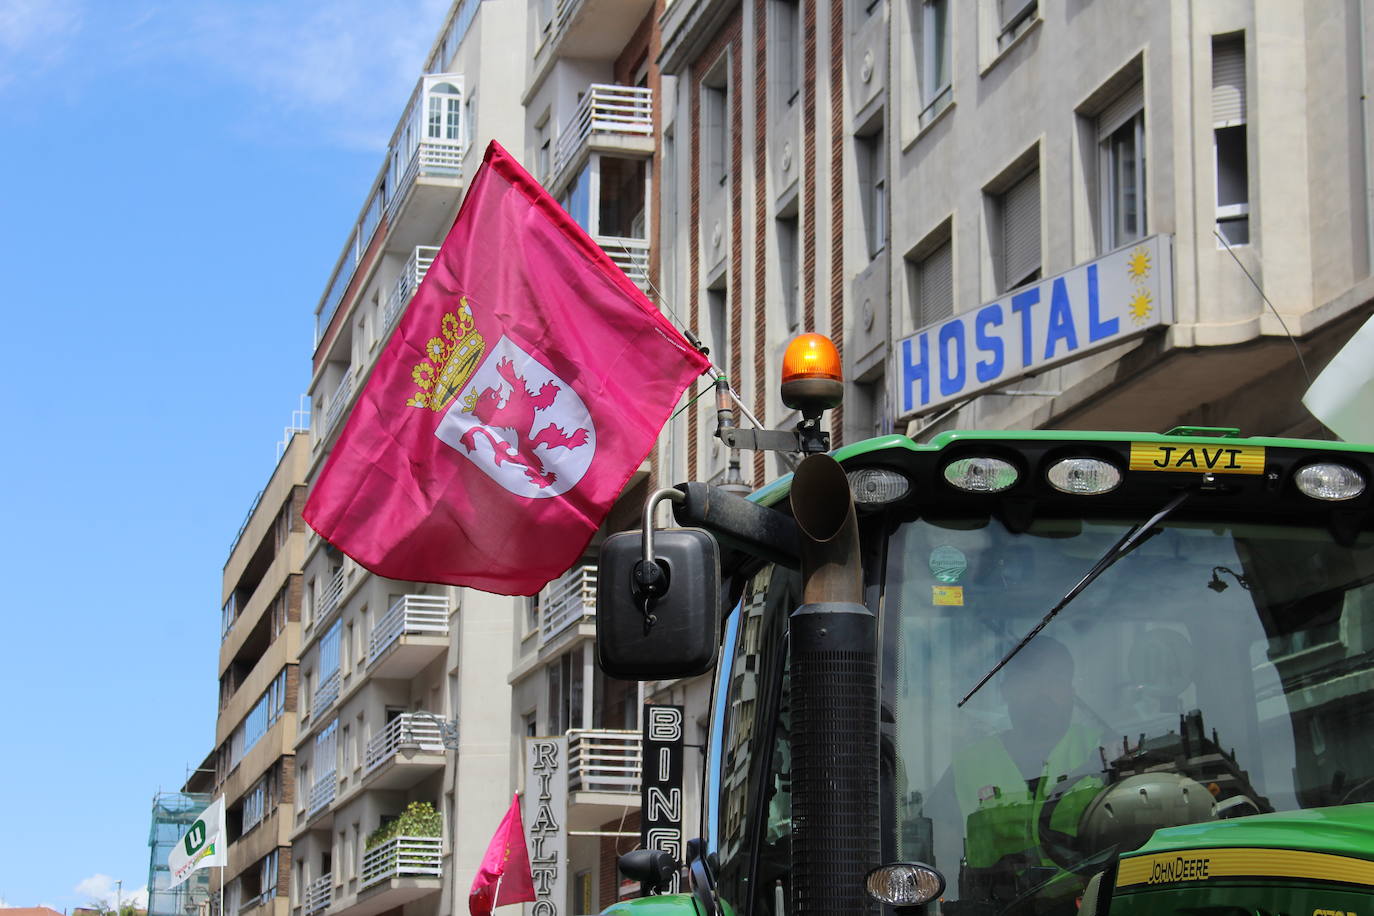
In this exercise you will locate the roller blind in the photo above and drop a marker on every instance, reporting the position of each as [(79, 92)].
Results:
[(935, 285), (1021, 230), (1228, 80)]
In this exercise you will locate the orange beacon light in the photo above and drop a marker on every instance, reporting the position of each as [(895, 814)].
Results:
[(811, 378)]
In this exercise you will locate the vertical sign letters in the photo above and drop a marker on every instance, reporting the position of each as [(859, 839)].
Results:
[(546, 816), (661, 787)]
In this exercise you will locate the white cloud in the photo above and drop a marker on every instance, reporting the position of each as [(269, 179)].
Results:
[(344, 68), (35, 35), (103, 889)]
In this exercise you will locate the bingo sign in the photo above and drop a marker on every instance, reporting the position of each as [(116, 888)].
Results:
[(661, 786), (545, 815), (1103, 302)]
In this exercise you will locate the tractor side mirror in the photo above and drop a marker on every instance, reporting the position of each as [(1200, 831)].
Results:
[(658, 618)]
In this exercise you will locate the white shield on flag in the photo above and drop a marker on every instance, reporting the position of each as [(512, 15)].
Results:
[(201, 846), (526, 428)]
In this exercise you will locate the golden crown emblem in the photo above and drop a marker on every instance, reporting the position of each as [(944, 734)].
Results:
[(450, 360)]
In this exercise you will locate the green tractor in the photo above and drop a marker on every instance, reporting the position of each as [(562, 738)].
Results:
[(1019, 673)]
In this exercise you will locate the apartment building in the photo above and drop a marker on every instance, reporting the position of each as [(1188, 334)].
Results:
[(402, 751), (944, 188), (255, 733)]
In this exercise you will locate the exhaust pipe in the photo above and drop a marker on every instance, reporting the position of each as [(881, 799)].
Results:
[(835, 823)]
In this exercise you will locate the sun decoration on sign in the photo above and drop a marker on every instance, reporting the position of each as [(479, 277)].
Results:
[(1138, 270), (1141, 306), (1138, 264)]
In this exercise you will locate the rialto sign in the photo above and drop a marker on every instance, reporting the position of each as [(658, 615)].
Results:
[(545, 814), (1103, 302)]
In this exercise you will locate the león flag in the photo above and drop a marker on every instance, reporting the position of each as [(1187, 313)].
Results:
[(505, 875), (523, 387)]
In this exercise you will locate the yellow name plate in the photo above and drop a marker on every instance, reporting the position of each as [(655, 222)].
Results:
[(1208, 864), (1197, 459)]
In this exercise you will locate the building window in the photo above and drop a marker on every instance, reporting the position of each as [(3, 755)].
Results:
[(1229, 137), (784, 51), (930, 283), (622, 198), (789, 274), (1014, 17), (1121, 142), (872, 163), (445, 117), (543, 160), (1019, 209), (715, 106), (718, 315), (933, 48)]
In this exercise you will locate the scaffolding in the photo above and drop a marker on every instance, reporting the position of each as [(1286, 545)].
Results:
[(173, 814)]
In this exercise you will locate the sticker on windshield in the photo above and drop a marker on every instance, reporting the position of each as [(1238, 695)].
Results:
[(947, 595), (947, 564), (1203, 459)]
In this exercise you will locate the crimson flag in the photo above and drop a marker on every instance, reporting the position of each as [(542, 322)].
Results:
[(524, 385), (505, 875)]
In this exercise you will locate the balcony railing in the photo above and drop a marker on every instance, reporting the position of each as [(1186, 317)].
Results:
[(319, 894), (338, 401), (417, 265), (322, 793), (418, 614), (606, 109), (325, 694), (403, 857), (567, 600), (602, 760), (431, 157), (329, 598), (408, 730), (630, 255)]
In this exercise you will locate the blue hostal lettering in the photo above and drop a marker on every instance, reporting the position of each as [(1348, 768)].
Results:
[(1044, 324)]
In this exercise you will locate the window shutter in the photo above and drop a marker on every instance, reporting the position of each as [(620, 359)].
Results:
[(936, 285), (1021, 229), (1228, 81), (1120, 110)]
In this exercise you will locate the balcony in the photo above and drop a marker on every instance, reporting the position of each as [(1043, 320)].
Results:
[(417, 265), (603, 768), (631, 256), (411, 634), (318, 895), (329, 598), (325, 695), (401, 870), (566, 601), (610, 118), (592, 29), (322, 793), (407, 750), (337, 402)]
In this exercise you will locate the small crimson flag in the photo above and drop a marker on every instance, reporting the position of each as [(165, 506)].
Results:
[(505, 875), (523, 387)]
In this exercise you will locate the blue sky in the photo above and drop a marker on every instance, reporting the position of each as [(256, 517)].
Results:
[(179, 179)]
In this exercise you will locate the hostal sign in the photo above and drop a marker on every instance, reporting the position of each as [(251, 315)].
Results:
[(1103, 302)]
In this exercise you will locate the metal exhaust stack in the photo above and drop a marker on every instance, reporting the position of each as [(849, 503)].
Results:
[(833, 636)]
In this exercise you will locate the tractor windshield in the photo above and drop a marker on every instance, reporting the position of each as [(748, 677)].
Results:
[(1218, 670)]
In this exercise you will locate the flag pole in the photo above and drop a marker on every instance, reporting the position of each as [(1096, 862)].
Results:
[(496, 894)]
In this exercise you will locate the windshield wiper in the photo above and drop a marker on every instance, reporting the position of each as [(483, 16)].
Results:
[(1129, 541)]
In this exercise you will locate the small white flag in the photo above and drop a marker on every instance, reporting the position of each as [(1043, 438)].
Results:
[(1342, 397), (201, 847)]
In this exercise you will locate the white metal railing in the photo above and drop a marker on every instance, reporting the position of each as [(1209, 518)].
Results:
[(606, 109), (325, 694), (630, 255), (322, 792), (405, 731), (566, 600), (319, 894), (431, 157), (338, 400), (417, 265), (403, 857), (409, 614), (329, 598), (603, 760)]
